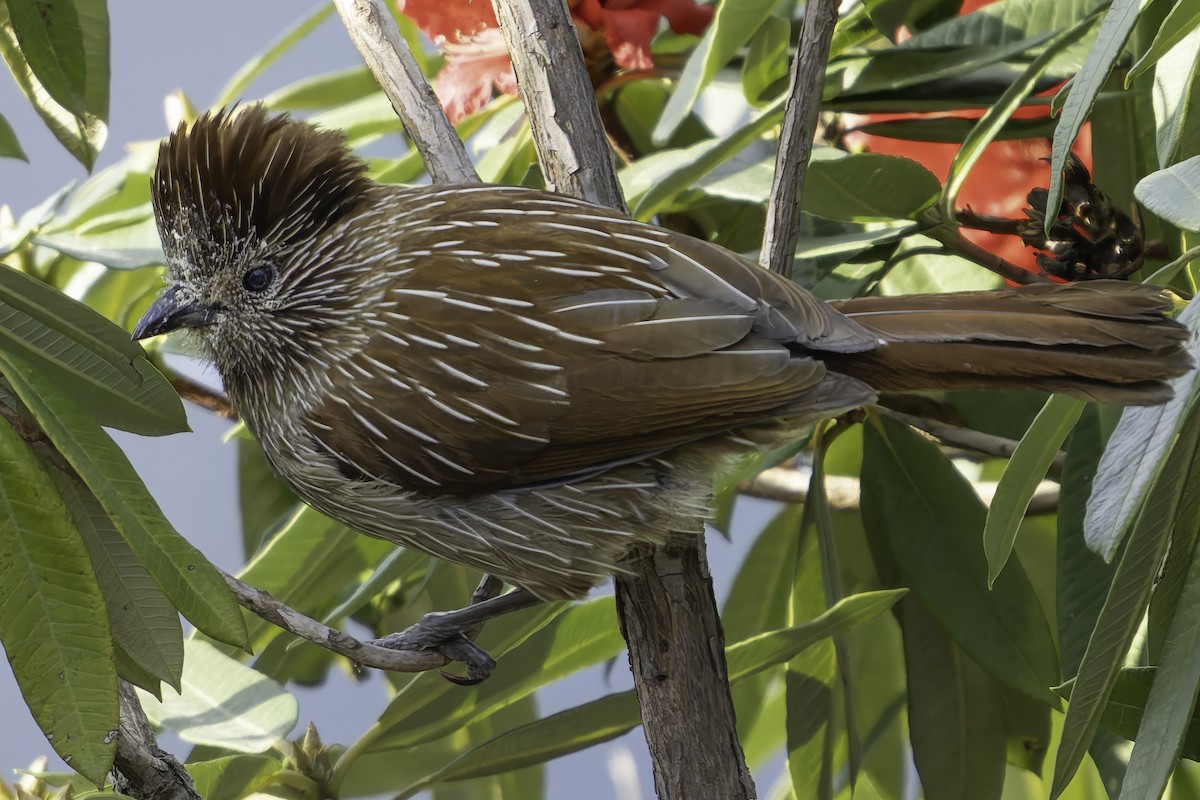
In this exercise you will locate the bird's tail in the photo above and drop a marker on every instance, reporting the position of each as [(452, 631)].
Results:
[(1106, 341)]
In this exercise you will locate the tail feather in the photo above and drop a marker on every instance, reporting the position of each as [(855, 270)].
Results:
[(1104, 340)]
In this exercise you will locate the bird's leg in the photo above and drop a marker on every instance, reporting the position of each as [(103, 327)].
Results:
[(450, 632)]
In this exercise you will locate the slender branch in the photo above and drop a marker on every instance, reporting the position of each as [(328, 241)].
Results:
[(665, 603), (201, 395), (792, 486), (964, 438), (141, 769), (567, 130), (366, 654), (377, 37), (796, 139), (964, 247)]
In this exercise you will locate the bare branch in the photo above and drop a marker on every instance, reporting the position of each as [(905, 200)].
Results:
[(262, 604), (665, 602), (791, 486), (796, 139), (201, 395), (567, 130), (141, 769), (964, 438), (957, 243), (378, 39)]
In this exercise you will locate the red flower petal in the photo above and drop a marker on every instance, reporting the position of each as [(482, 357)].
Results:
[(451, 20), (474, 68)]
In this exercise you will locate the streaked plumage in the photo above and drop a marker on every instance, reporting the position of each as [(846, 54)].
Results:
[(530, 384)]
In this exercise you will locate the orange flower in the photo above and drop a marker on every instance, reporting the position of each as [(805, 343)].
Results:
[(477, 62)]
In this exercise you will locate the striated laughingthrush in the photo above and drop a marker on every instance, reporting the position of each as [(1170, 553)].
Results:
[(530, 384)]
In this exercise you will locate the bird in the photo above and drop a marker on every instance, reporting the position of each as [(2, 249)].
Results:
[(534, 385)]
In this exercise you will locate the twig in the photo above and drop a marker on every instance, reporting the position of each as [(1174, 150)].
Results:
[(141, 769), (366, 654), (965, 438), (665, 603), (378, 39), (567, 131), (791, 486), (203, 396), (964, 247), (796, 139)]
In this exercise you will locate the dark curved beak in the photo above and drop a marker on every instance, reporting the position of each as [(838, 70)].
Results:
[(172, 311)]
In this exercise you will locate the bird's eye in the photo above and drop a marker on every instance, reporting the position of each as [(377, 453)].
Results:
[(258, 279)]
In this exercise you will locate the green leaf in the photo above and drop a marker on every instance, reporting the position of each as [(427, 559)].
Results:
[(580, 636), (183, 573), (995, 118), (1172, 700), (1118, 24), (87, 356), (324, 91), (908, 485), (52, 619), (1025, 470), (1179, 23), (732, 26), (233, 777), (868, 186), (611, 716), (1136, 453), (84, 134), (52, 43), (144, 623), (224, 703), (1174, 193), (765, 70), (9, 146), (757, 600), (264, 501), (1174, 100), (1123, 611), (651, 183), (955, 712), (246, 74), (133, 245), (955, 130), (1083, 577)]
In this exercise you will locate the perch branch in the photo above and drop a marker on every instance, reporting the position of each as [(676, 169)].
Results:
[(796, 139), (141, 769), (201, 395), (378, 39), (665, 603)]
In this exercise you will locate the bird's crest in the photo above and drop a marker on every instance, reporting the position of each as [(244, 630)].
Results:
[(238, 178)]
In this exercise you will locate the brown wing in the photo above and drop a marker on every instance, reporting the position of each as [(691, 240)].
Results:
[(541, 352)]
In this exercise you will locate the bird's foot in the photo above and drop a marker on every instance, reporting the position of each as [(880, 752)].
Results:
[(451, 632)]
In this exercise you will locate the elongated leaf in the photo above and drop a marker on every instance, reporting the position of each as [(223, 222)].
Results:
[(1172, 699), (1136, 453), (1175, 105), (1003, 22), (955, 713), (582, 635), (1024, 471), (52, 619), (1083, 577), (1180, 22), (324, 91), (9, 146), (909, 486), (144, 623), (272, 53), (84, 134), (731, 28), (1110, 41), (233, 777), (765, 70), (52, 44), (651, 183), (86, 355), (183, 573), (1174, 193), (224, 703), (867, 187), (997, 116), (611, 716), (1123, 610)]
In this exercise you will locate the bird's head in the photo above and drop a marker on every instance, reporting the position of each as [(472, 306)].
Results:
[(265, 229)]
